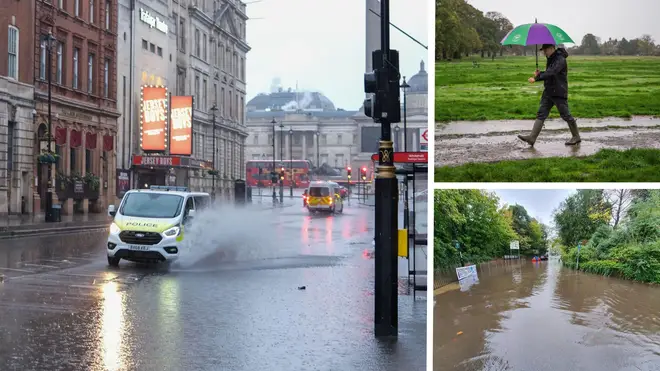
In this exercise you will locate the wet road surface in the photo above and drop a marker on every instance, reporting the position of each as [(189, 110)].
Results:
[(467, 142), (233, 302), (541, 316)]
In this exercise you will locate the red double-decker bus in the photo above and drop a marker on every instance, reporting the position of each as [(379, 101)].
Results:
[(260, 171)]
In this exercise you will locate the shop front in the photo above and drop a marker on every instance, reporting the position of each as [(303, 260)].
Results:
[(166, 170)]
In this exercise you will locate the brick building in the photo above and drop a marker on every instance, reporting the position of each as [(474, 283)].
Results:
[(16, 107), (84, 100)]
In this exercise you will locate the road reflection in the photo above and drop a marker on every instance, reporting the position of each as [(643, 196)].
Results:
[(112, 326)]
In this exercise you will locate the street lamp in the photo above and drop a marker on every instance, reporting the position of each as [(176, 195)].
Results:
[(281, 159), (272, 174), (291, 163), (214, 108), (49, 40), (398, 144), (405, 87)]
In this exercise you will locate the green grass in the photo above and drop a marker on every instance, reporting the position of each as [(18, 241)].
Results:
[(598, 87), (634, 165)]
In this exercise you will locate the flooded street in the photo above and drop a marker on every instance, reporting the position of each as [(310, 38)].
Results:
[(541, 316), (458, 143)]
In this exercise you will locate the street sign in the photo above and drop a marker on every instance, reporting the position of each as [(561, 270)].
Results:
[(424, 141), (515, 245), (407, 157), (465, 272)]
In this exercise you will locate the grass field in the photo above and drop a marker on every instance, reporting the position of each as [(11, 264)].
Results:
[(598, 87), (634, 165)]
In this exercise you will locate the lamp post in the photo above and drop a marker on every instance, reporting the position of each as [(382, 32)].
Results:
[(214, 108), (49, 191), (281, 159), (398, 143), (291, 163), (273, 174), (405, 87), (406, 210)]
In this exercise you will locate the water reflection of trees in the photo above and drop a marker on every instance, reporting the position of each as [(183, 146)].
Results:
[(479, 312)]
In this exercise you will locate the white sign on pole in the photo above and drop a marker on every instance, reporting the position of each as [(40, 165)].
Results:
[(515, 245), (465, 272), (424, 141)]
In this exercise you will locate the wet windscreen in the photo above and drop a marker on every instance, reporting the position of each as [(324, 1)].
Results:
[(151, 205), (319, 192)]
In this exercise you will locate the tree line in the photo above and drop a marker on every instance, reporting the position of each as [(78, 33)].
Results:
[(618, 232), (463, 30), (471, 227)]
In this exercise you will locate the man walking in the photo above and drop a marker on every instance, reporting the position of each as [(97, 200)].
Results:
[(555, 93)]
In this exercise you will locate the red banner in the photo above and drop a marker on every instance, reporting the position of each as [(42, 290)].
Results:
[(76, 139), (407, 157), (181, 125), (153, 118), (60, 136), (90, 140), (108, 143)]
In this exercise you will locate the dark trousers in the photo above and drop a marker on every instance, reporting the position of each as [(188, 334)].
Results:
[(546, 105)]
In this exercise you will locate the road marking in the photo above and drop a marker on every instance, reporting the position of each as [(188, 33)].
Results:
[(17, 270)]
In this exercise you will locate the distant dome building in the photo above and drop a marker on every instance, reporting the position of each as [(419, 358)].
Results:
[(323, 134)]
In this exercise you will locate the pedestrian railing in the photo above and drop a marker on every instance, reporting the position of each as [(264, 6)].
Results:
[(444, 276)]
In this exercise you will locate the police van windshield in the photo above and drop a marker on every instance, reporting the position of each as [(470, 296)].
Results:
[(151, 205), (319, 191)]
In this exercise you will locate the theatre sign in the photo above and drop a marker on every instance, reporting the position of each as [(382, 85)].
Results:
[(153, 22)]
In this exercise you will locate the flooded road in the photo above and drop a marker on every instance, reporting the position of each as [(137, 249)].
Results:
[(296, 294), (458, 143), (541, 316)]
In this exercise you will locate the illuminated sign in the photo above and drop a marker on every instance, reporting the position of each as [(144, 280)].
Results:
[(153, 22), (181, 125), (153, 118)]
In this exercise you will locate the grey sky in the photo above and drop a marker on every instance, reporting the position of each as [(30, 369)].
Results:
[(603, 18), (539, 203), (321, 44)]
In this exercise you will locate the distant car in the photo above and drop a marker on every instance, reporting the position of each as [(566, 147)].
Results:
[(544, 257)]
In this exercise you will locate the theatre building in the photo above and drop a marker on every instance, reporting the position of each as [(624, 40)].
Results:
[(77, 41)]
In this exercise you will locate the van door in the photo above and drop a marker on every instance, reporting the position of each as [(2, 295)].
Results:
[(190, 205)]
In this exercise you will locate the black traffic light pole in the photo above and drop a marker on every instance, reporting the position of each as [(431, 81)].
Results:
[(281, 158), (273, 172), (385, 108)]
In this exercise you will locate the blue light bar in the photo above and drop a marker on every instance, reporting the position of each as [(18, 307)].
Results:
[(169, 188)]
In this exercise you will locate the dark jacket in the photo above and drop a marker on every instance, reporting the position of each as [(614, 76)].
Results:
[(555, 76)]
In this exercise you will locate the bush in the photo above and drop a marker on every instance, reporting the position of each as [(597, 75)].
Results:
[(604, 267)]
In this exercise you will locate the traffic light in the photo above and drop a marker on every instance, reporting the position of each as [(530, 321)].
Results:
[(282, 173), (383, 83), (273, 177), (348, 171), (363, 172)]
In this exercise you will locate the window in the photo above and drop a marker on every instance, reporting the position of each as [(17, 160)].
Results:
[(242, 118), (196, 99), (152, 205), (72, 159), (219, 55), (42, 59), (91, 11), (197, 46), (182, 35), (231, 107), (107, 15), (106, 78), (76, 8), (152, 48), (60, 56), (76, 56), (204, 96), (222, 104), (90, 74), (242, 69), (204, 46), (12, 63), (181, 84), (160, 51), (60, 3), (88, 160), (145, 44), (215, 93), (339, 139)]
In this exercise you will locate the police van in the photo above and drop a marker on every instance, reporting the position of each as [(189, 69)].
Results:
[(149, 225)]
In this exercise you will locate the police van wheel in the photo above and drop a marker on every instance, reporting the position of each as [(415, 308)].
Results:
[(113, 262)]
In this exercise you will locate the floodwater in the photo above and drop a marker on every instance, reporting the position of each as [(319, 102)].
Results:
[(542, 316), (458, 143)]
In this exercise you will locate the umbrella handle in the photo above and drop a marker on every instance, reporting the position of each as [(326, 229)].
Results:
[(536, 52)]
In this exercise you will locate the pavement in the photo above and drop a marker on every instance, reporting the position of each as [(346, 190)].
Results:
[(275, 290), (458, 143)]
